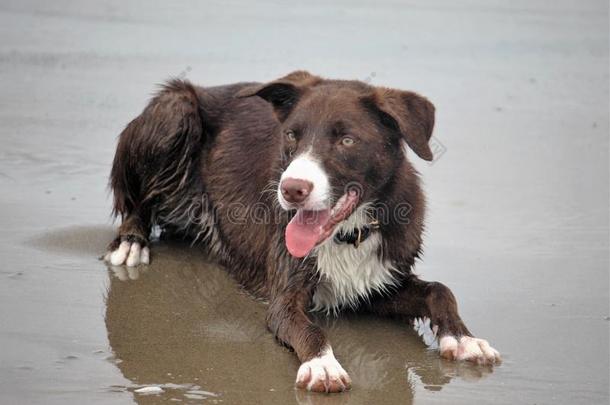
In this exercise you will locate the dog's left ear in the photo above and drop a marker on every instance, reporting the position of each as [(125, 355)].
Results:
[(409, 113), (283, 93)]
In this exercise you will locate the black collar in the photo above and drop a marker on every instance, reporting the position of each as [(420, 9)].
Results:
[(357, 235)]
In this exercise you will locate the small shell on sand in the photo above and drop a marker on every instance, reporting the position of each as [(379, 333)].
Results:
[(153, 389)]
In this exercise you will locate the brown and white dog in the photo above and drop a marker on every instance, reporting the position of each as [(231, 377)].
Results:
[(302, 189)]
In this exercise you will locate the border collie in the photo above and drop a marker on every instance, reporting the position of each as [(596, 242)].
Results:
[(302, 189)]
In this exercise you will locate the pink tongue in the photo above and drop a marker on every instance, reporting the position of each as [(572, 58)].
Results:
[(304, 230)]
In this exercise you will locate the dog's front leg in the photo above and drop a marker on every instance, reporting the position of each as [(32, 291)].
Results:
[(425, 302), (288, 321)]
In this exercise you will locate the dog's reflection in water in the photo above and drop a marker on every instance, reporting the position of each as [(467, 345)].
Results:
[(182, 324)]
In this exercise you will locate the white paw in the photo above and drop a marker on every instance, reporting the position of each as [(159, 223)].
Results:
[(323, 374), (129, 253), (468, 349)]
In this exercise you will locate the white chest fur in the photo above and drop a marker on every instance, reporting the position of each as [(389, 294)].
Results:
[(349, 274)]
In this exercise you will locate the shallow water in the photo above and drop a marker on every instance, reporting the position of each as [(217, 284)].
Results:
[(517, 221)]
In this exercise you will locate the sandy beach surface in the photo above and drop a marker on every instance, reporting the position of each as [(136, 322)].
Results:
[(517, 219)]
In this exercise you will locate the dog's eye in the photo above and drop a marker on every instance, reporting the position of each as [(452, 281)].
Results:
[(290, 135), (347, 141)]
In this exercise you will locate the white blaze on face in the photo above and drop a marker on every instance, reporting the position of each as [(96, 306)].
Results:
[(306, 167)]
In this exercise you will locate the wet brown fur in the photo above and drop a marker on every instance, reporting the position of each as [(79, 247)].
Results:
[(197, 160)]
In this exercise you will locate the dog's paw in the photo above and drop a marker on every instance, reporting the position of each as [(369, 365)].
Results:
[(323, 374), (128, 252), (468, 348)]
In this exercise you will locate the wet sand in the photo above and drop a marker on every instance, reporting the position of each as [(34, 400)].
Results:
[(517, 221)]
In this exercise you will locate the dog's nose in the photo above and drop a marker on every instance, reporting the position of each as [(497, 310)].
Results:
[(295, 190)]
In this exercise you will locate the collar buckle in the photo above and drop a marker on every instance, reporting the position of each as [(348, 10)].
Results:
[(358, 239), (357, 235)]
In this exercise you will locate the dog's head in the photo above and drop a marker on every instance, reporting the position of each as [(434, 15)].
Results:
[(342, 142)]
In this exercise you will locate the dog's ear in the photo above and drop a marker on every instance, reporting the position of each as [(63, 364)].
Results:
[(283, 93), (406, 112)]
